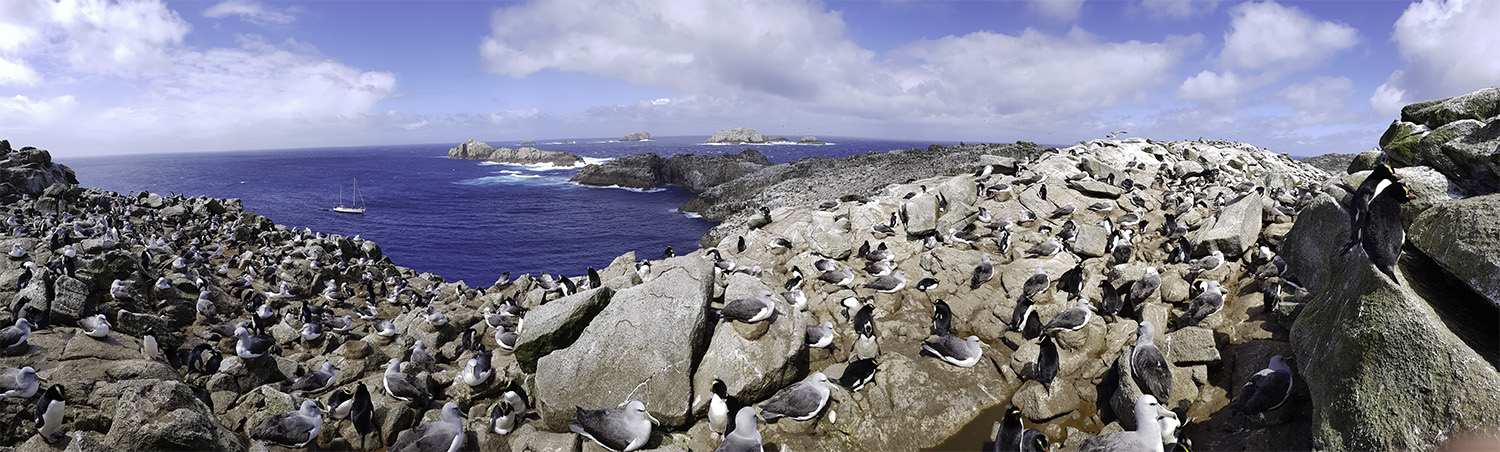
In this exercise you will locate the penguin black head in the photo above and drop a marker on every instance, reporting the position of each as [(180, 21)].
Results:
[(56, 392), (720, 389)]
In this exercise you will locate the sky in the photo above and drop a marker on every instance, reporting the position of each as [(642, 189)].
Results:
[(88, 77)]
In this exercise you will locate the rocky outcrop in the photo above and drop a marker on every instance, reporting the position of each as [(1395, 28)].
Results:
[(1332, 163), (1463, 236), (1385, 371), (640, 347), (1361, 337), (811, 140), (29, 171), (693, 172), (478, 150), (638, 136), (1458, 136), (740, 136)]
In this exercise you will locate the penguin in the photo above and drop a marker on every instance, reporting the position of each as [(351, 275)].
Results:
[(1047, 362), (1359, 203), (1383, 234), (942, 318), (360, 412), (49, 413)]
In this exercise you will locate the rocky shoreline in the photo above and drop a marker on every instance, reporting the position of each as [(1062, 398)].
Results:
[(477, 150), (1203, 215)]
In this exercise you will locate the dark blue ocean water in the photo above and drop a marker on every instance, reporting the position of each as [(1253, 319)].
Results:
[(460, 219)]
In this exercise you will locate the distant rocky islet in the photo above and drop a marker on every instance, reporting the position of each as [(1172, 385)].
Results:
[(633, 331)]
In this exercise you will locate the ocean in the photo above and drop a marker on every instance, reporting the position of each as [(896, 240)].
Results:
[(459, 219)]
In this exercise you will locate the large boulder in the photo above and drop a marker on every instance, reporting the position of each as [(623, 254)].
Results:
[(1384, 370), (1309, 249), (1235, 230), (1457, 136), (1478, 105), (640, 347), (1464, 236), (754, 369), (557, 324), (932, 400), (163, 415), (29, 171), (478, 150)]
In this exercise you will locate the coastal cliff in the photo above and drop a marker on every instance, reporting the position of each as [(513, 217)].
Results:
[(693, 172), (478, 150)]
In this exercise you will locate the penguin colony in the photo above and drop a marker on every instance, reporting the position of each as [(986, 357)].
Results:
[(219, 295)]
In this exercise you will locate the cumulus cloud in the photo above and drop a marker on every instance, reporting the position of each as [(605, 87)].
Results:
[(251, 11), (780, 56), (1269, 36), (121, 71), (17, 73), (1448, 48), (1212, 86)]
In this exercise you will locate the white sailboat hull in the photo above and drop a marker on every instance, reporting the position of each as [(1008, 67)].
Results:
[(354, 210)]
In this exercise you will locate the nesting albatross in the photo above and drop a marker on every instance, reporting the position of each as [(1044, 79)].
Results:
[(801, 401), (617, 430)]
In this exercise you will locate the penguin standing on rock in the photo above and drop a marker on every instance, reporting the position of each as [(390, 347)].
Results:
[(1382, 233), (1379, 180)]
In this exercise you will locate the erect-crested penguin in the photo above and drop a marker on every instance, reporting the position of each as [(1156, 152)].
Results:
[(1383, 232), (1380, 179)]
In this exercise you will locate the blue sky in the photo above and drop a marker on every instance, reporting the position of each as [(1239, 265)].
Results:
[(84, 77)]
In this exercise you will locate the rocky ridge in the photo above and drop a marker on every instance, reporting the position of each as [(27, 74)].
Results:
[(638, 136), (694, 172), (478, 150)]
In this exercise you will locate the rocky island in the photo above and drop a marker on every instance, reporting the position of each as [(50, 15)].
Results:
[(741, 136), (693, 172), (478, 150), (811, 140), (936, 271), (638, 136)]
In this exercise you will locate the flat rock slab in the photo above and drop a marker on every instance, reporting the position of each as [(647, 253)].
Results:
[(640, 347)]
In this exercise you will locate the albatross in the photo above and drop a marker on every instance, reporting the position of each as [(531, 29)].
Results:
[(617, 430), (292, 429)]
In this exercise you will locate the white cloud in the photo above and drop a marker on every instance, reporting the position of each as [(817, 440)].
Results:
[(91, 36), (251, 11), (132, 84), (1388, 98), (1276, 38), (1179, 9), (17, 73), (783, 56), (1212, 86), (1449, 48), (1063, 10), (21, 114)]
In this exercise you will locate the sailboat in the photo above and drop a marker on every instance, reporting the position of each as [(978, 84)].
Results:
[(357, 200)]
